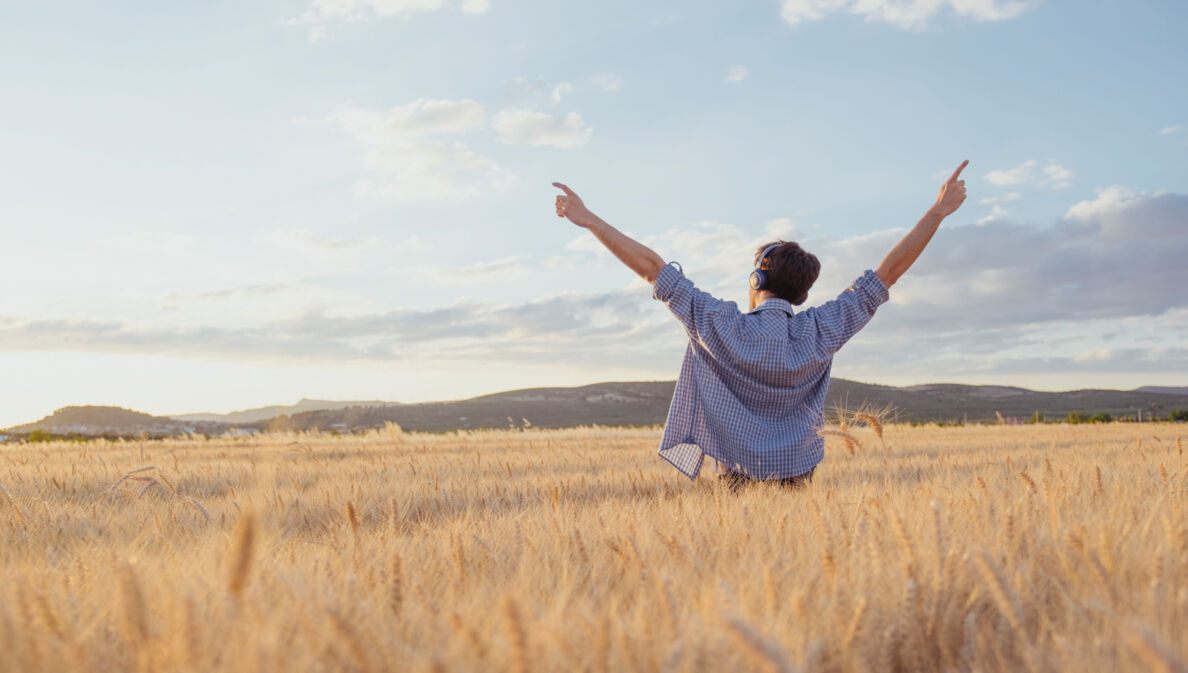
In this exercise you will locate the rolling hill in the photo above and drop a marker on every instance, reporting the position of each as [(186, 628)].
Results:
[(614, 403), (646, 403), (114, 421), (265, 413)]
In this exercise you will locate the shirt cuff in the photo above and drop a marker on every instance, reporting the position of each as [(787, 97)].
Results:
[(872, 286), (666, 281)]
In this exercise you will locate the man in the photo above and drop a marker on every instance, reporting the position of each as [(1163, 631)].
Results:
[(751, 391)]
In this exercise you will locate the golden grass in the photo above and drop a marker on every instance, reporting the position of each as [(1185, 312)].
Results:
[(997, 548)]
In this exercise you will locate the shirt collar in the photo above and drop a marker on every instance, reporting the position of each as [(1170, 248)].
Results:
[(776, 303)]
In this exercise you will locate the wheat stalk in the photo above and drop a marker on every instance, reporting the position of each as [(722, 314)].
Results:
[(516, 638), (129, 475), (854, 629), (196, 505), (765, 654), (851, 442), (132, 598), (395, 587), (1004, 598), (9, 500), (1157, 656), (241, 554)]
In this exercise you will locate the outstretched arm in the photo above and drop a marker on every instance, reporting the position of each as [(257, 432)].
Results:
[(904, 254), (637, 256)]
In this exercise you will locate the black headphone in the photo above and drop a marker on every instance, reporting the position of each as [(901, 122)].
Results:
[(758, 278)]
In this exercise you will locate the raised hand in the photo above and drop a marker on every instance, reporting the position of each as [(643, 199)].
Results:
[(570, 206), (952, 193)]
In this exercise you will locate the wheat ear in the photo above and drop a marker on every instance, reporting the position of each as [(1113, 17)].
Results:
[(874, 423)]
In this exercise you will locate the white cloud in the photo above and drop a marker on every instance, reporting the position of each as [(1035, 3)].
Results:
[(1168, 130), (302, 240), (997, 212), (559, 91), (991, 10), (521, 126), (796, 11), (495, 269), (607, 81), (1056, 177), (413, 243), (1051, 176), (1005, 198), (420, 118), (1012, 176), (737, 74), (321, 13), (404, 164), (902, 14), (429, 170)]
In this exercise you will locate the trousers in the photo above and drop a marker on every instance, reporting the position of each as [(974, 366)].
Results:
[(736, 480)]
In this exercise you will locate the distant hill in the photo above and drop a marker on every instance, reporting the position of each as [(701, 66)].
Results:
[(646, 403), (613, 403), (952, 402), (100, 420), (1163, 390), (265, 413), (633, 403)]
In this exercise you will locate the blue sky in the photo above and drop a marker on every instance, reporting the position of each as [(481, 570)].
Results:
[(209, 206)]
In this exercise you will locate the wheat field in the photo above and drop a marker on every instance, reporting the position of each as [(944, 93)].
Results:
[(984, 548)]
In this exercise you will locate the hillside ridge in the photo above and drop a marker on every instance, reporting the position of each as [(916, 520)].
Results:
[(615, 403)]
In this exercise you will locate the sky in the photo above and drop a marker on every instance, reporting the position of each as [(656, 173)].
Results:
[(219, 205)]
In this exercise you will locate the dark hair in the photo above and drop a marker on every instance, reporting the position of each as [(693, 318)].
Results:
[(790, 270)]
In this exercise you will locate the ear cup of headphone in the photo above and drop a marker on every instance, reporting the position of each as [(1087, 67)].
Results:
[(758, 280)]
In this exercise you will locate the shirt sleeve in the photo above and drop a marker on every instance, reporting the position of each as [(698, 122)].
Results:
[(704, 316), (840, 319)]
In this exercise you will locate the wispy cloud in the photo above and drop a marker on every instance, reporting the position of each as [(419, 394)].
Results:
[(406, 162), (902, 14), (1168, 130), (560, 328), (1012, 176), (737, 74), (504, 268), (1056, 177), (560, 90), (607, 82), (522, 126), (1005, 198), (320, 15), (1051, 176)]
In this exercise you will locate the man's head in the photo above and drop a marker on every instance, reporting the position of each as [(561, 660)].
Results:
[(790, 272)]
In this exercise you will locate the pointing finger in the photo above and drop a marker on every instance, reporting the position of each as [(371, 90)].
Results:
[(957, 172), (563, 188)]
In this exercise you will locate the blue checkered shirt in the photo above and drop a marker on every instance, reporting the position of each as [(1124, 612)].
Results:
[(751, 393)]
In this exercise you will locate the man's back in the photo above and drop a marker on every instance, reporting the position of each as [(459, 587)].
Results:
[(751, 392)]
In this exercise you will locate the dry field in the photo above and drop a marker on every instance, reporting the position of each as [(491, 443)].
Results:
[(1050, 548)]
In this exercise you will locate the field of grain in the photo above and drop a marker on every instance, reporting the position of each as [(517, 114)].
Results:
[(1036, 548)]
